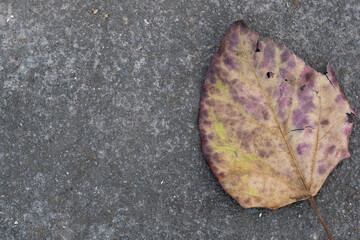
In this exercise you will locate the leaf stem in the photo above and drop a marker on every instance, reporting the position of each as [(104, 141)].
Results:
[(321, 219)]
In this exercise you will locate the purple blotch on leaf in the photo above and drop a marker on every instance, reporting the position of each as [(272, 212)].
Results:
[(291, 64), (265, 115), (204, 113), (301, 148), (243, 28), (321, 169), (262, 153), (234, 39), (269, 54), (339, 98), (299, 118), (324, 122), (285, 55), (229, 62), (331, 149), (309, 76)]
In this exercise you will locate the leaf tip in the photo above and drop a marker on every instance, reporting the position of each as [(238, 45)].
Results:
[(239, 23)]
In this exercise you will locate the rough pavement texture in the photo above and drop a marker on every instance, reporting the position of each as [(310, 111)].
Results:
[(98, 118)]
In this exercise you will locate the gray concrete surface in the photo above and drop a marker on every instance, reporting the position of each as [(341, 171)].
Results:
[(98, 117)]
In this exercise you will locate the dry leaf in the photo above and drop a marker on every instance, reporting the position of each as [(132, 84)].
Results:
[(272, 128), (95, 11), (106, 15)]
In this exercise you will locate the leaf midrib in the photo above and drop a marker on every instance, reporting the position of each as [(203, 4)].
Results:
[(278, 124)]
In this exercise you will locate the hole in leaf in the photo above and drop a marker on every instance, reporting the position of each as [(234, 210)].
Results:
[(269, 74), (302, 87), (286, 80), (257, 46), (351, 117)]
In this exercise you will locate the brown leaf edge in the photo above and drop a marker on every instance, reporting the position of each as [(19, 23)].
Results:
[(330, 74)]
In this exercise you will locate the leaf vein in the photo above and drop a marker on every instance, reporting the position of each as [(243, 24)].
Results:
[(277, 121)]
